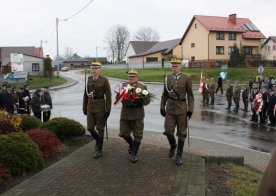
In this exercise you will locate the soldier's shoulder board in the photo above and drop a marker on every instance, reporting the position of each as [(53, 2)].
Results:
[(185, 74)]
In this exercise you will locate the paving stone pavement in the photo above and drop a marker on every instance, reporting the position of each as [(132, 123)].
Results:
[(113, 174)]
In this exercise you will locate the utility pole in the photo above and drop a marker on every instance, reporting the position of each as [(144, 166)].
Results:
[(97, 53), (57, 21), (57, 48)]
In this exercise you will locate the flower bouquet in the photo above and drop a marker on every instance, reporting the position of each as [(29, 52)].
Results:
[(133, 97)]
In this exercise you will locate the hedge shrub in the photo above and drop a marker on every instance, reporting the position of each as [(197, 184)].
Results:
[(47, 142), (19, 154), (9, 123), (29, 122), (64, 127)]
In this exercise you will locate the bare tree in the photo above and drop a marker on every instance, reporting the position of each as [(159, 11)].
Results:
[(117, 39), (146, 34), (68, 52)]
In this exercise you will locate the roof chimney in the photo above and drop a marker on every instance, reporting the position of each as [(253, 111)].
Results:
[(233, 18)]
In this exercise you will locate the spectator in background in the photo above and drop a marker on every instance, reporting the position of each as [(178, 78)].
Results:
[(48, 100), (36, 101), (8, 101), (219, 85), (27, 98)]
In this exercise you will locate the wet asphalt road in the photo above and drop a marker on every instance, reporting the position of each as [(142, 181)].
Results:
[(208, 122)]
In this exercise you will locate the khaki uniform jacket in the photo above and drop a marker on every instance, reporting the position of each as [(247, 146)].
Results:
[(245, 92), (229, 91), (268, 183), (182, 91), (101, 100), (134, 113), (236, 92), (212, 87)]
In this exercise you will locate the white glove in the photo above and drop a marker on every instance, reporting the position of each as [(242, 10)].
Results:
[(26, 98)]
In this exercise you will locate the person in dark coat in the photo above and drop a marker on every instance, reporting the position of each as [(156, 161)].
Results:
[(219, 85), (272, 107), (132, 117), (8, 101), (27, 98), (48, 101), (177, 105), (36, 101), (97, 106), (21, 103)]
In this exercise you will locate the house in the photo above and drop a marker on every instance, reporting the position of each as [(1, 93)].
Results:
[(137, 47), (102, 60), (32, 59), (75, 61), (269, 49), (158, 52), (209, 40)]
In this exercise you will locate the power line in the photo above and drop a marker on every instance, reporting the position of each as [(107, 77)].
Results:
[(28, 36), (80, 10)]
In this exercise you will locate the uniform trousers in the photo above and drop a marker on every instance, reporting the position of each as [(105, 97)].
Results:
[(179, 121), (96, 121), (136, 127)]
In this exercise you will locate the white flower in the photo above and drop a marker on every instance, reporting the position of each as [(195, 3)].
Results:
[(145, 92), (138, 90)]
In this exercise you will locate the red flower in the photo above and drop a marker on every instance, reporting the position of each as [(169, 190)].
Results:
[(126, 97), (135, 96)]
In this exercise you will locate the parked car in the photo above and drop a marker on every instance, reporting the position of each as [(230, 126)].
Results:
[(64, 69)]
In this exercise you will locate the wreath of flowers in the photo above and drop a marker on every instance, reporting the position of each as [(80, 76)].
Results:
[(133, 96)]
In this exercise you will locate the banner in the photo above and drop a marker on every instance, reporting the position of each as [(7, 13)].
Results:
[(16, 62)]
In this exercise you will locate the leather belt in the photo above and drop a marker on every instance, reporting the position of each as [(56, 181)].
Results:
[(177, 99), (95, 98)]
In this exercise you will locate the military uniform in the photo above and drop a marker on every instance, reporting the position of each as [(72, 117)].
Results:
[(177, 102), (267, 186), (245, 95), (205, 92), (97, 107), (132, 116), (212, 88), (236, 96), (229, 95)]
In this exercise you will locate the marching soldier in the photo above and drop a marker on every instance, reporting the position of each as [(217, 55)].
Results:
[(97, 105), (174, 107), (132, 118), (236, 96), (212, 88), (229, 94), (245, 95), (205, 92)]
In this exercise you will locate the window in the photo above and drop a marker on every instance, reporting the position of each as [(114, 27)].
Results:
[(195, 25), (193, 58), (274, 47), (232, 36), (220, 36), (151, 59), (192, 45), (247, 50), (220, 50), (230, 49), (267, 48), (35, 67)]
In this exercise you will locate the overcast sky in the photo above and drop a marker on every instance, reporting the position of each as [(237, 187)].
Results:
[(27, 22)]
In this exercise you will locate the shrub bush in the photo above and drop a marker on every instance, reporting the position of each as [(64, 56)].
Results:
[(9, 123), (29, 122), (4, 173), (47, 142), (64, 127), (19, 154)]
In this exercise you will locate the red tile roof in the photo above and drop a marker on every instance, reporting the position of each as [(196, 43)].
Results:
[(217, 23)]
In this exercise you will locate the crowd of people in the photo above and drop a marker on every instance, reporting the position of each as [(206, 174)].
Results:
[(19, 101), (260, 95)]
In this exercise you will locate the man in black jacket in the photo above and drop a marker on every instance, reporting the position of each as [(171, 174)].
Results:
[(219, 85)]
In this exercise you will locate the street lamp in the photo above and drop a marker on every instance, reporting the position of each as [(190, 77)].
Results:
[(57, 20)]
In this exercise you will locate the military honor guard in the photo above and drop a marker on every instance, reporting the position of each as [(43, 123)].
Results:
[(134, 96), (205, 92), (229, 94), (236, 96), (245, 96), (212, 89), (97, 105), (177, 105)]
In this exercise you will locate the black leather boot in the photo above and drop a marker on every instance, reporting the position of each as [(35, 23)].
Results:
[(134, 156), (172, 142), (180, 147), (98, 148), (129, 140)]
